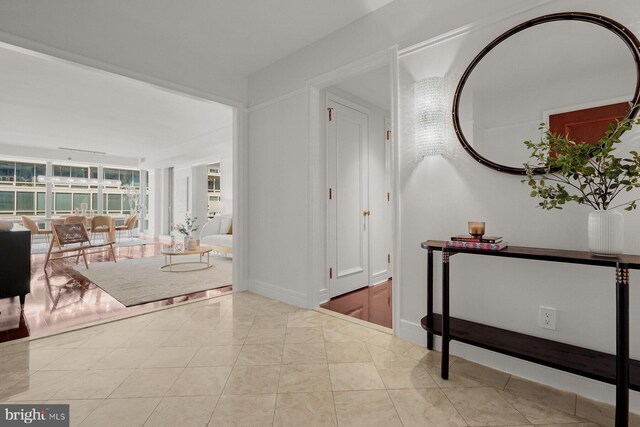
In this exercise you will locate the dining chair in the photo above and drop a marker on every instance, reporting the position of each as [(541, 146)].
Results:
[(52, 223), (128, 225), (74, 242), (101, 224), (76, 219), (32, 226)]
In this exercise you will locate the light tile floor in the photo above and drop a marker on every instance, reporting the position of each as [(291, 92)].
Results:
[(245, 360)]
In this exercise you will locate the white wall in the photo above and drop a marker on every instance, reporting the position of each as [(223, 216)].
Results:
[(182, 193), (277, 187), (158, 209), (226, 183), (453, 189), (438, 195), (199, 194), (278, 169)]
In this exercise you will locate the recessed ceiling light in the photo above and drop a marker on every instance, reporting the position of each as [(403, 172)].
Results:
[(81, 151)]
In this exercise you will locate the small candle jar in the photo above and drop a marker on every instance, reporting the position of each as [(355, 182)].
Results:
[(476, 228)]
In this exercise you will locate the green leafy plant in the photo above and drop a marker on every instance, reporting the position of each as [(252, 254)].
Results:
[(588, 174), (188, 227)]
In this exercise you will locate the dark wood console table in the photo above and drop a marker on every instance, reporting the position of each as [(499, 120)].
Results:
[(615, 369)]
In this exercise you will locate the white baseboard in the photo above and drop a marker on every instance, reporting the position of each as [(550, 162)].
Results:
[(240, 285), (380, 277), (324, 295), (586, 387), (278, 293), (413, 332)]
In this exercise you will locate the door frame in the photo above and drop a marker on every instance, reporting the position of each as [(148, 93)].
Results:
[(337, 99), (239, 125), (317, 162)]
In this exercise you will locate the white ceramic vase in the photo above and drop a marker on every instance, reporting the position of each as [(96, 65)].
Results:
[(606, 232)]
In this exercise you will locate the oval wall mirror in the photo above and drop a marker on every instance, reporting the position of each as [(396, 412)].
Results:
[(575, 72)]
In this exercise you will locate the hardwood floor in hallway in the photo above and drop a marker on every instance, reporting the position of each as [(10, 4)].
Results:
[(371, 303)]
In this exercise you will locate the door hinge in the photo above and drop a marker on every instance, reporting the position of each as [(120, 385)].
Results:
[(388, 197), (388, 258), (330, 110), (388, 134), (389, 301), (330, 273), (330, 194)]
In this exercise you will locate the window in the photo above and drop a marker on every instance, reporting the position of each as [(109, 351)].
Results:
[(214, 182), (25, 173), (41, 169), (22, 194), (126, 206), (111, 173), (79, 199), (77, 172), (25, 203), (7, 201), (41, 202), (62, 202), (61, 170), (7, 172), (126, 177), (116, 199), (114, 203)]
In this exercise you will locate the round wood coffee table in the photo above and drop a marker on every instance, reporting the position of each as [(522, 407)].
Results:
[(201, 250)]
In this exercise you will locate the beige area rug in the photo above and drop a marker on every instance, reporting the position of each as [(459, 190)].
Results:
[(43, 247), (138, 281)]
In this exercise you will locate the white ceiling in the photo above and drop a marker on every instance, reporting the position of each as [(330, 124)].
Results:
[(234, 36), (53, 104), (373, 86)]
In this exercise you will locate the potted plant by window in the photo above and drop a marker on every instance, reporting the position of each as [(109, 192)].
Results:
[(188, 228), (565, 171)]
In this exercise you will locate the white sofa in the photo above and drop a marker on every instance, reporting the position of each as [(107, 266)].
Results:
[(217, 232)]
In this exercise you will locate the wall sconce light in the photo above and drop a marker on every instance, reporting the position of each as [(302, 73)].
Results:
[(430, 116)]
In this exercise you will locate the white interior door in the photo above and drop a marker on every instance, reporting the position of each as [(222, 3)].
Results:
[(347, 151), (380, 220)]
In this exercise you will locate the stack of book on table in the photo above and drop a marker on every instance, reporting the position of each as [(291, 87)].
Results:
[(485, 243)]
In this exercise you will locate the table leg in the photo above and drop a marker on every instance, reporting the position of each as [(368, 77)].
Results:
[(112, 231), (430, 297), (444, 365), (622, 345)]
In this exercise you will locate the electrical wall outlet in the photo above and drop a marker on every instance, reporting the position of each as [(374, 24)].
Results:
[(547, 318)]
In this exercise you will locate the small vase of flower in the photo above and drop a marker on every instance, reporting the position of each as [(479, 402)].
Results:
[(187, 229)]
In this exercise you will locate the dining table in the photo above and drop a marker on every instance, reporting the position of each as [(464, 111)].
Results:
[(59, 219)]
